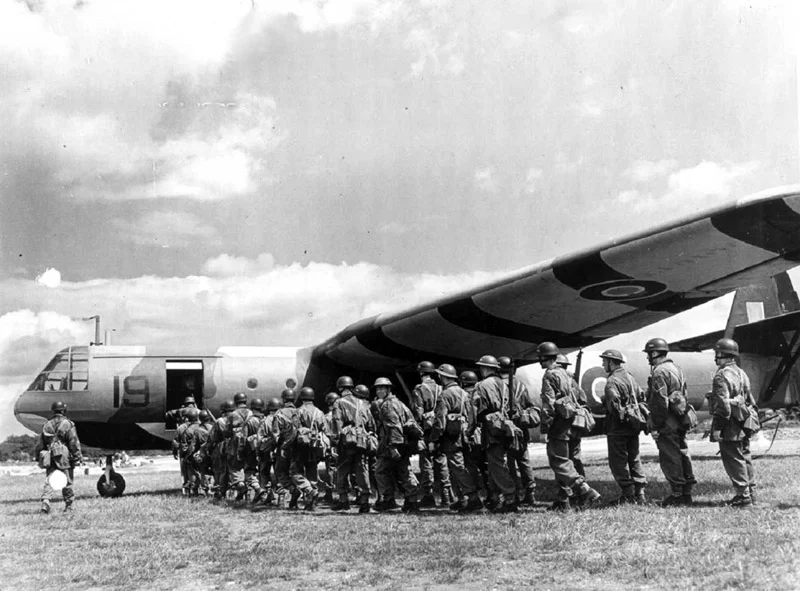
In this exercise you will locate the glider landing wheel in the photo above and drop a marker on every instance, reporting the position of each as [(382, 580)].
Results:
[(114, 488)]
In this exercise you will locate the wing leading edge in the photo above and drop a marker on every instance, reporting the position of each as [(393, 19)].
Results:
[(580, 299)]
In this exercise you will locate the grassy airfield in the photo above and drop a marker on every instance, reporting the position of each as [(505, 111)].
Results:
[(154, 538)]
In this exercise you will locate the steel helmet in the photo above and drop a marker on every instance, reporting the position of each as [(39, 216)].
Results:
[(58, 407), (488, 361), (361, 391), (307, 393), (425, 367), (468, 378), (382, 382), (726, 347), (562, 360), (192, 414), (448, 371), (344, 382), (205, 416), (239, 398), (656, 344), (547, 349), (506, 365), (612, 354), (273, 403), (287, 395), (227, 406), (331, 397), (257, 404)]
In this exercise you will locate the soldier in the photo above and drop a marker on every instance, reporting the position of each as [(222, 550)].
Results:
[(192, 440), (362, 392), (179, 439), (474, 458), (59, 444), (393, 469), (283, 432), (519, 460), (328, 481), (203, 463), (575, 441), (215, 449), (667, 382), (454, 419), (432, 463), (252, 425), (265, 446), (235, 441), (492, 412), (558, 400), (729, 403), (309, 448), (178, 414), (352, 421), (622, 392)]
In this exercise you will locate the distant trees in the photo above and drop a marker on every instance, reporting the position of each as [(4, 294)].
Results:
[(18, 447)]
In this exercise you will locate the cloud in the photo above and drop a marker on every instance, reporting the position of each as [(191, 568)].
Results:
[(50, 278), (643, 171), (484, 180), (707, 180), (167, 229), (226, 265)]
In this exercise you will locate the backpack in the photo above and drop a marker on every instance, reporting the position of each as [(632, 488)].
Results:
[(56, 449), (528, 418), (428, 418), (635, 413), (355, 437), (583, 422), (455, 422), (237, 442)]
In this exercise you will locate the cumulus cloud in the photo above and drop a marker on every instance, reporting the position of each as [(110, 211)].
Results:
[(226, 265), (643, 171), (167, 228), (50, 278)]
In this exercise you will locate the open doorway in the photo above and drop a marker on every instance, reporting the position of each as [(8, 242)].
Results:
[(184, 378)]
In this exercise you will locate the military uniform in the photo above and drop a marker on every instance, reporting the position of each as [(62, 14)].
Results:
[(195, 437), (670, 436), (557, 385), (60, 429), (431, 464), (252, 480), (351, 411), (179, 452), (305, 460), (474, 454), (327, 482), (264, 452), (284, 430), (215, 449), (519, 460), (731, 387), (455, 402), (393, 470), (492, 397), (623, 440), (235, 449)]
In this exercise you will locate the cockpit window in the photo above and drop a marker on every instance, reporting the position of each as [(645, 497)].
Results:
[(67, 371)]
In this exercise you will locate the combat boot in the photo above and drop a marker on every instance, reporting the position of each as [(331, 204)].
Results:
[(447, 497), (687, 500), (293, 500), (587, 498), (68, 507), (673, 501), (364, 508), (473, 504), (310, 501), (343, 504), (509, 507), (639, 497), (623, 500), (410, 506), (740, 502), (561, 505), (45, 507), (753, 495), (528, 500), (328, 498), (428, 501)]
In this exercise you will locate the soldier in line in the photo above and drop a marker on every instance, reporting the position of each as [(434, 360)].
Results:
[(309, 449), (328, 482), (454, 419), (667, 383), (558, 398), (575, 441), (621, 393), (59, 441), (179, 439), (474, 456), (393, 469), (362, 392), (206, 423), (432, 463), (285, 424), (265, 447), (215, 449), (519, 460), (729, 403), (492, 412), (192, 440), (352, 421), (236, 444), (252, 480)]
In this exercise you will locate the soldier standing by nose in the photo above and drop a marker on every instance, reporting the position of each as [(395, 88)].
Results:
[(59, 442)]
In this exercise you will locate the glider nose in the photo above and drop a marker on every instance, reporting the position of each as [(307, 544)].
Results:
[(25, 410)]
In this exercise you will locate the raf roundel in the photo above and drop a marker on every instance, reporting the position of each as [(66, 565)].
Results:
[(623, 290)]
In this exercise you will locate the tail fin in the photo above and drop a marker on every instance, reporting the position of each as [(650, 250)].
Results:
[(765, 300)]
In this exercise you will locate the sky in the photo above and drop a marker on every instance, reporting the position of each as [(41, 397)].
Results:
[(266, 173)]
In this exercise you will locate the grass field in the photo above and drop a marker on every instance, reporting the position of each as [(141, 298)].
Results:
[(153, 538)]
